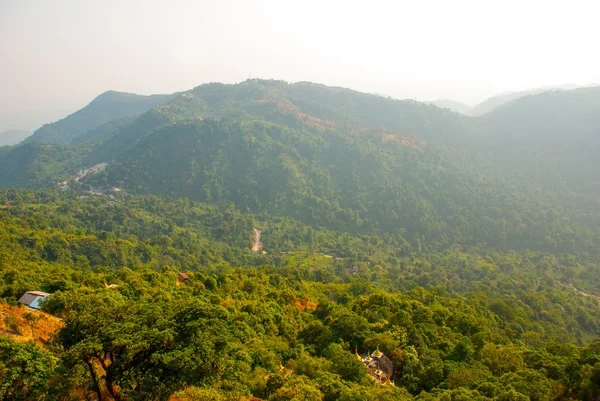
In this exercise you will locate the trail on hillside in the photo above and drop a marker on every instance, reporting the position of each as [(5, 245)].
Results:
[(256, 244), (577, 290)]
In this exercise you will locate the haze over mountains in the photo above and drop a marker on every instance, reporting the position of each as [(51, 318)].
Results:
[(497, 101), (336, 158), (12, 137)]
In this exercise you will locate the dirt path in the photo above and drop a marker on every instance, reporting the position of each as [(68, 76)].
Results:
[(577, 290), (256, 244)]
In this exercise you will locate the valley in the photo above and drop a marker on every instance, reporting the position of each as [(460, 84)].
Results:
[(261, 235)]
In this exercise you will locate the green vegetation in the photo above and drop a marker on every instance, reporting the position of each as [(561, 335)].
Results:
[(385, 223), (105, 108), (492, 325), (35, 165)]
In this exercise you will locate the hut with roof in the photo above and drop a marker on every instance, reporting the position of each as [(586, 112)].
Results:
[(31, 299), (182, 277)]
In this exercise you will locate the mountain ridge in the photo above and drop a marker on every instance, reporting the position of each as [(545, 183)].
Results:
[(329, 156), (106, 107)]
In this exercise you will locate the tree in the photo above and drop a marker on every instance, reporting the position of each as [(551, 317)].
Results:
[(297, 389), (345, 364), (136, 349), (25, 370)]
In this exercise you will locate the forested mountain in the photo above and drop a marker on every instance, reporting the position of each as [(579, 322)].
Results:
[(36, 165), (497, 101), (549, 120), (9, 138), (554, 136), (311, 223), (339, 159), (369, 184), (108, 106)]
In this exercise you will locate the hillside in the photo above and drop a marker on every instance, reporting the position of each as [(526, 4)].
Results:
[(385, 225), (332, 158), (498, 101), (108, 106), (13, 137), (23, 325), (453, 105), (373, 183), (554, 136), (302, 106), (324, 156), (287, 323), (35, 165), (546, 118), (316, 107)]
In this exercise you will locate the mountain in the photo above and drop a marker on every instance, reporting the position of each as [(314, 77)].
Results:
[(555, 122), (306, 106), (107, 107), (453, 105), (13, 137), (458, 253), (332, 158), (494, 102), (549, 118), (315, 107), (554, 136)]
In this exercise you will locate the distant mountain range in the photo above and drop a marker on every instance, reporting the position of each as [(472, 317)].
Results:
[(336, 158), (13, 137), (497, 101)]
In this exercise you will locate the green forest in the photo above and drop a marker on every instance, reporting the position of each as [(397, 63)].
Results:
[(467, 254)]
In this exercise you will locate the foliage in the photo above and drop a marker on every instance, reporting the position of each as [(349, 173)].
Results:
[(475, 277), (25, 370), (284, 326)]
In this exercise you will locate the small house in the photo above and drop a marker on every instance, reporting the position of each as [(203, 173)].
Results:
[(182, 277), (31, 299)]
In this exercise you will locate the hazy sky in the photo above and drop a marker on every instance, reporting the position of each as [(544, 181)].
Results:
[(57, 55)]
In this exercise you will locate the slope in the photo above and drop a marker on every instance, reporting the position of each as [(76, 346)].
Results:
[(316, 107), (553, 135), (375, 183), (549, 118), (108, 106), (497, 101), (330, 157), (36, 165), (304, 106)]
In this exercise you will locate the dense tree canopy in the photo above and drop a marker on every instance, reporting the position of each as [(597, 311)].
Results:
[(284, 326), (466, 257)]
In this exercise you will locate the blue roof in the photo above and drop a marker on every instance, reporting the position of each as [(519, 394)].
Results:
[(35, 304)]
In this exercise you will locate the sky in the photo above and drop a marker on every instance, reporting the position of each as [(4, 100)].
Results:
[(58, 55)]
